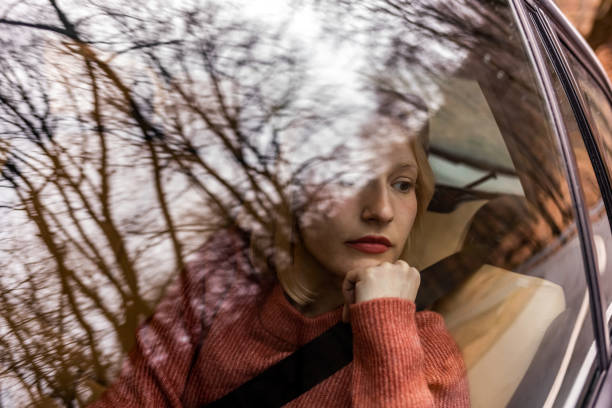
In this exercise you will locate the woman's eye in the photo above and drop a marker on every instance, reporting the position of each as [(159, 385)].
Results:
[(402, 186)]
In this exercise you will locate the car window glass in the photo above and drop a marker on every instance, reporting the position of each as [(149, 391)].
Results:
[(527, 228), (186, 189), (585, 346), (598, 107)]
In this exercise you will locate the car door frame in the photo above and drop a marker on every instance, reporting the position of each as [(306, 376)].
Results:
[(540, 35)]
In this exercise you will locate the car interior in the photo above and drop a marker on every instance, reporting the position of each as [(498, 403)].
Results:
[(471, 241), (498, 317)]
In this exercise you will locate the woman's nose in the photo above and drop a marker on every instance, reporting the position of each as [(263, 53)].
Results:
[(376, 203)]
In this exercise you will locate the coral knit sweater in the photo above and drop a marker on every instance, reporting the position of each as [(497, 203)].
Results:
[(221, 326)]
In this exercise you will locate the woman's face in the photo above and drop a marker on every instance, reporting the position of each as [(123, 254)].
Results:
[(368, 226)]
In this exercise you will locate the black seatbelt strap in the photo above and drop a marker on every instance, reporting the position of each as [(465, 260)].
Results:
[(446, 275), (294, 375)]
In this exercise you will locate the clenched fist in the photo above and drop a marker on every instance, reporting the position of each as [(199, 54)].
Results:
[(396, 279)]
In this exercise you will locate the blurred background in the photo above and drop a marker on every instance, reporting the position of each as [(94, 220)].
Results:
[(593, 19)]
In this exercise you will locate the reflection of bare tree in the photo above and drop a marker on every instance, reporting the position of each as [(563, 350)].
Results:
[(71, 260), (121, 146), (65, 138)]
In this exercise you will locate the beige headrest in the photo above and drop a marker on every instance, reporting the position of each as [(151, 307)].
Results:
[(440, 234)]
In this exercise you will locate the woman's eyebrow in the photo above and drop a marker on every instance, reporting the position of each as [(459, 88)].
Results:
[(406, 166)]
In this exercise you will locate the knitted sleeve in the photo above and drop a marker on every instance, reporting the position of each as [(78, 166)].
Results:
[(156, 372), (403, 358)]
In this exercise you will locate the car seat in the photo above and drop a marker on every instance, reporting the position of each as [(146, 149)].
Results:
[(497, 317)]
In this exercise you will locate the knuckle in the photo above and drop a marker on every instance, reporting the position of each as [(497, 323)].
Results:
[(370, 272), (416, 274), (403, 265)]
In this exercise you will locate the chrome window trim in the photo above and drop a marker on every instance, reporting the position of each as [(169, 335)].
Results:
[(574, 40), (578, 388), (599, 165), (567, 355), (582, 222), (583, 118)]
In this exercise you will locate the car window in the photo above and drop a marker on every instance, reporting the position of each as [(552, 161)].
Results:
[(583, 370), (538, 239), (598, 107), (191, 193)]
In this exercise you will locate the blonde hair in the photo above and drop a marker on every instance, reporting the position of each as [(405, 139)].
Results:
[(425, 185), (299, 287)]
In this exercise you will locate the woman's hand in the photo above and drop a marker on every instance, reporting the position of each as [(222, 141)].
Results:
[(396, 279)]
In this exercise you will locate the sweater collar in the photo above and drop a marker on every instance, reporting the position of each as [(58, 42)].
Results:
[(283, 320)]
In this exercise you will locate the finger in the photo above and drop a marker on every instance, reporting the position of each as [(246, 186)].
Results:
[(401, 261), (416, 273), (403, 264), (348, 286), (350, 279), (411, 269)]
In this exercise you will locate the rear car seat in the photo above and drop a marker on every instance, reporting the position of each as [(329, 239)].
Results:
[(497, 317)]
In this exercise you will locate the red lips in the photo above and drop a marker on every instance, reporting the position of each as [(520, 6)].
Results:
[(370, 244)]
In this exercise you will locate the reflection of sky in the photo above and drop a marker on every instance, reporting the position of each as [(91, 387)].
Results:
[(342, 64), (340, 69)]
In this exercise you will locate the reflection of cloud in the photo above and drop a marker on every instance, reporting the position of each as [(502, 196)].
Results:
[(342, 70)]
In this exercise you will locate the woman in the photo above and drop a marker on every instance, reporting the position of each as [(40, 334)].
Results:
[(224, 324)]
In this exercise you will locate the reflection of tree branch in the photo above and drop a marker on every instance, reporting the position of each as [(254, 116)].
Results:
[(96, 258), (161, 198), (152, 44), (13, 369), (36, 214), (37, 26), (148, 131), (7, 315), (107, 226), (93, 295), (114, 238), (243, 142), (86, 200), (104, 197), (238, 156), (209, 195), (195, 157), (146, 128)]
